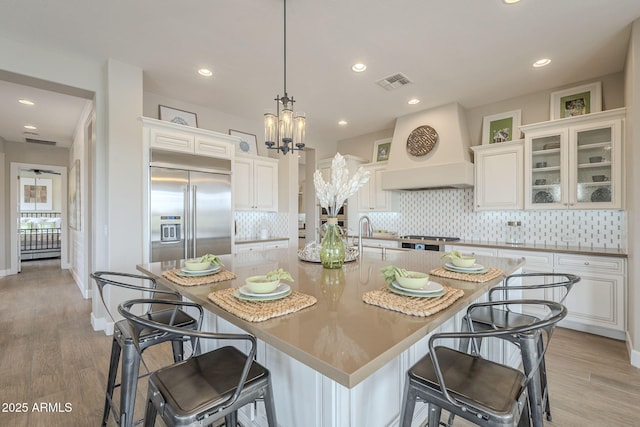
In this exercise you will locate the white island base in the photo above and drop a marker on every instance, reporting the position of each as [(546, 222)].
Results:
[(305, 397)]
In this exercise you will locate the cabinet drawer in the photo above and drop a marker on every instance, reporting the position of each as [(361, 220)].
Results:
[(168, 140), (539, 260), (472, 250), (567, 263)]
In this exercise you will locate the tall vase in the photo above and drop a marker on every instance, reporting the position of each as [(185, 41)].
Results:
[(332, 246)]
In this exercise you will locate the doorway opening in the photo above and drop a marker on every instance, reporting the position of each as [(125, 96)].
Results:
[(38, 214)]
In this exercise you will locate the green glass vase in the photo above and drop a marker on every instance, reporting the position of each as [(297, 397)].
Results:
[(332, 246)]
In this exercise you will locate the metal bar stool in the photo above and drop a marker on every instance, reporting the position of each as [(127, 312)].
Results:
[(481, 391), (491, 318), (123, 343), (204, 388)]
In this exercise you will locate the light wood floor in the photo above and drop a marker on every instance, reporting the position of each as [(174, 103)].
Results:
[(50, 354)]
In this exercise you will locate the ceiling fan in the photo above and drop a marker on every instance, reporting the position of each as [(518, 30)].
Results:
[(41, 171)]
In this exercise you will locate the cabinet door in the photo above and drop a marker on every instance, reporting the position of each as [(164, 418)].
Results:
[(595, 158), (213, 148), (546, 170), (265, 184), (598, 298), (242, 184), (499, 177), (372, 197), (364, 197), (172, 140)]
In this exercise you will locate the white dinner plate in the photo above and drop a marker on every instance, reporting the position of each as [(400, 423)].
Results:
[(211, 270), (429, 288), (237, 294), (281, 289), (474, 267), (407, 293), (458, 270)]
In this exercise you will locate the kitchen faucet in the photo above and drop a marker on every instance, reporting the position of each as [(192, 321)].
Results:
[(369, 231)]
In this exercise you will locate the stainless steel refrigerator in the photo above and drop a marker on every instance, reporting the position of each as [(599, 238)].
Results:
[(190, 206)]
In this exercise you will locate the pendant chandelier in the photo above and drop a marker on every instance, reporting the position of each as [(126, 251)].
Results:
[(284, 131)]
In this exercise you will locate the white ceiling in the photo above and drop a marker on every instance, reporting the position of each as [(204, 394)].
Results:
[(471, 51)]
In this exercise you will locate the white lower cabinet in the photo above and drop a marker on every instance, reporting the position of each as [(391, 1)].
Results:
[(260, 246), (596, 304), (372, 245)]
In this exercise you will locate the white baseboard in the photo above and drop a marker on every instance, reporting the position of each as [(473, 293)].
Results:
[(101, 324), (86, 292), (634, 355), (4, 273)]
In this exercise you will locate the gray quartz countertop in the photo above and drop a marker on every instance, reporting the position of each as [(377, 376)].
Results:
[(541, 247), (340, 336)]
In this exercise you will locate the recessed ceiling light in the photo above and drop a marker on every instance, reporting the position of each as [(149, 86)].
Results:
[(30, 127), (342, 122), (510, 1), (359, 67), (205, 72), (413, 101), (26, 102), (541, 62)]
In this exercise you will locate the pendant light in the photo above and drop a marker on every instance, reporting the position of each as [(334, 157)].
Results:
[(284, 131)]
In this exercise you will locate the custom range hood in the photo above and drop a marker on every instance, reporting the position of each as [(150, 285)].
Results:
[(447, 165)]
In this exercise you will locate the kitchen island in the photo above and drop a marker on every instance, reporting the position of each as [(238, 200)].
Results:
[(340, 362)]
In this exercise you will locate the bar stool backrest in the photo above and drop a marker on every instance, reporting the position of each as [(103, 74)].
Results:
[(134, 282), (140, 323), (545, 326), (558, 281)]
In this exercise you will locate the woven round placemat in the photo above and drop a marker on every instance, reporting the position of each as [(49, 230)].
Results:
[(415, 306), (491, 273), (220, 276), (258, 311)]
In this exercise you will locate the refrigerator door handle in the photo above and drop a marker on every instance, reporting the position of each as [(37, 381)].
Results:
[(187, 222), (194, 218)]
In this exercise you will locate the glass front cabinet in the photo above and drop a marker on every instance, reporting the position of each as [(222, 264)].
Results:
[(575, 163)]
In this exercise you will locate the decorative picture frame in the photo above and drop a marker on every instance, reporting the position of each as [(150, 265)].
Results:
[(181, 117), (74, 196), (576, 101), (248, 143), (502, 127), (35, 194), (381, 150)]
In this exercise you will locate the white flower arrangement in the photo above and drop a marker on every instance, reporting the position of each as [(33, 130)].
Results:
[(333, 194)]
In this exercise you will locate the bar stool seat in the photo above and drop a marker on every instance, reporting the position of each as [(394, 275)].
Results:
[(482, 391), (204, 388), (123, 343), (489, 318)]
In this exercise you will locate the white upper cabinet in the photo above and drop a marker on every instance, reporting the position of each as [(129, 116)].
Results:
[(575, 163), (255, 183), (185, 139), (371, 196), (499, 176)]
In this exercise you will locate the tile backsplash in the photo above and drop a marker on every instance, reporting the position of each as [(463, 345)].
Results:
[(450, 213), (249, 224)]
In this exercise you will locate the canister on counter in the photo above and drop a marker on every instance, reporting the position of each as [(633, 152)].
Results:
[(514, 232)]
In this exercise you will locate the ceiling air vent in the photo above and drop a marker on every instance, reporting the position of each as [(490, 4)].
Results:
[(394, 82), (40, 141)]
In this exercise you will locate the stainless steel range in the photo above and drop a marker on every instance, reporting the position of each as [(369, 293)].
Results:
[(426, 243)]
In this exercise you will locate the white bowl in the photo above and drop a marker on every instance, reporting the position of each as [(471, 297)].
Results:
[(196, 265), (258, 284), (464, 262), (413, 280)]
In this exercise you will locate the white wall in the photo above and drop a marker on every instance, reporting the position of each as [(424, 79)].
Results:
[(632, 157), (4, 258)]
